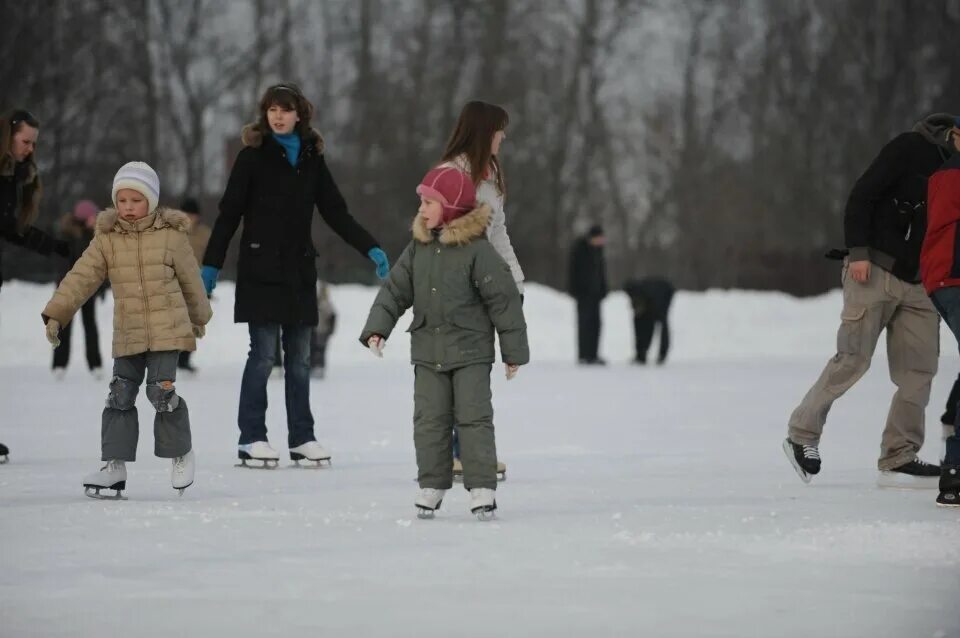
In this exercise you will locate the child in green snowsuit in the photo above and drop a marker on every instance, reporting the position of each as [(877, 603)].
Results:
[(461, 291)]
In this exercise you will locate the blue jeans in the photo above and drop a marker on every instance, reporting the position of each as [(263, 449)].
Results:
[(947, 303), (253, 387)]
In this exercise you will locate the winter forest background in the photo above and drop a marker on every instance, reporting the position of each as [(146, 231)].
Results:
[(716, 141)]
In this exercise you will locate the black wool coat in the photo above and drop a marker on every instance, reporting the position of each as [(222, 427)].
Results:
[(276, 272)]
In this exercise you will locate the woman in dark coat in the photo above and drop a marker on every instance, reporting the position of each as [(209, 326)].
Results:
[(279, 177), (20, 192)]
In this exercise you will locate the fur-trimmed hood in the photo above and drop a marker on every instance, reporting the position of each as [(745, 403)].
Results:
[(109, 221), (459, 232), (251, 135)]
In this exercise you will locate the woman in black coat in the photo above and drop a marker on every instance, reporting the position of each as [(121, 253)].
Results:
[(20, 192), (279, 177)]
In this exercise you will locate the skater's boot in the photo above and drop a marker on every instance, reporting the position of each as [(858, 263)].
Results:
[(309, 451), (264, 456), (949, 486), (181, 471), (428, 501), (4, 453), (483, 502), (112, 476), (805, 459), (915, 474)]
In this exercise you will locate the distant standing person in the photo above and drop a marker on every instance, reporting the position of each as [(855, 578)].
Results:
[(884, 226), (650, 298), (76, 228), (278, 179), (588, 286), (199, 236)]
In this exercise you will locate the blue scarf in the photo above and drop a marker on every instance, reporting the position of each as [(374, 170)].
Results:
[(291, 144)]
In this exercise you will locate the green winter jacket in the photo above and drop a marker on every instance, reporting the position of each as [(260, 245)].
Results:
[(460, 289)]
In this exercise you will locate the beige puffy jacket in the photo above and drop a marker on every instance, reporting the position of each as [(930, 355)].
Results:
[(157, 292)]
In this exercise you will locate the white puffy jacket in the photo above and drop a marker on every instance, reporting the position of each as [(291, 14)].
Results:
[(487, 193)]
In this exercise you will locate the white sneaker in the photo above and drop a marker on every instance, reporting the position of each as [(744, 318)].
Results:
[(483, 502), (258, 451), (112, 476), (309, 451), (428, 501), (182, 470)]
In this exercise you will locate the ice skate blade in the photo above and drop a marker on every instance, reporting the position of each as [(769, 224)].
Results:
[(181, 490), (484, 514), (948, 505), (425, 514), (802, 473), (311, 464), (267, 464), (93, 491), (901, 481)]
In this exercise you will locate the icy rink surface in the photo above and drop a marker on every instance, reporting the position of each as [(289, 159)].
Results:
[(639, 501)]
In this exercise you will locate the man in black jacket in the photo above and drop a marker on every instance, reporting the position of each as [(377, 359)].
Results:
[(650, 298), (588, 285), (884, 226)]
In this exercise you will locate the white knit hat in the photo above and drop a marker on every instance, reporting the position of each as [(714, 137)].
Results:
[(140, 177)]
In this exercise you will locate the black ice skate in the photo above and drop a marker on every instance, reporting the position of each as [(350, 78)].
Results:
[(914, 475), (112, 476), (260, 453), (949, 486), (4, 453), (805, 459)]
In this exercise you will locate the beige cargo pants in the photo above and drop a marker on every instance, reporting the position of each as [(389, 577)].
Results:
[(913, 347)]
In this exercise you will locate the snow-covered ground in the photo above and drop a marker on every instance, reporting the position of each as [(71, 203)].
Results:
[(640, 501)]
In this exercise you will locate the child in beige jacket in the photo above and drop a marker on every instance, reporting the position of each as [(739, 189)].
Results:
[(160, 309)]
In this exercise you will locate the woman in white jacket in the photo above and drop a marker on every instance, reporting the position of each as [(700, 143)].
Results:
[(473, 148)]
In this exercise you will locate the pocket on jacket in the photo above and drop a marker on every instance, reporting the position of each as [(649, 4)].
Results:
[(307, 268), (472, 322), (259, 264), (417, 323), (850, 335)]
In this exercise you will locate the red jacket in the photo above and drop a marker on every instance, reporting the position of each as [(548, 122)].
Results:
[(940, 256)]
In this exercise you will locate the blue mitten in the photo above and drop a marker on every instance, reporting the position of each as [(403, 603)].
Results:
[(209, 276), (380, 259)]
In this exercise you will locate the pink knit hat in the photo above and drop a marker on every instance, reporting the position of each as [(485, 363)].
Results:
[(452, 188), (84, 210)]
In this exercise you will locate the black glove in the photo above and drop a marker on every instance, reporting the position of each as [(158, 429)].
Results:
[(61, 247)]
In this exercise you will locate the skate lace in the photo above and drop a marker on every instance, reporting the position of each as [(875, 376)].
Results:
[(810, 452), (180, 464), (113, 466)]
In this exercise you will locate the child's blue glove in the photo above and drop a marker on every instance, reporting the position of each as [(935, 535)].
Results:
[(380, 259), (209, 276)]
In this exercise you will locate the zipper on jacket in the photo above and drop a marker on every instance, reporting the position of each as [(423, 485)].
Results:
[(143, 293)]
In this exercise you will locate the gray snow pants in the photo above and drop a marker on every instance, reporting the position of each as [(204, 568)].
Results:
[(121, 428), (883, 302), (460, 397)]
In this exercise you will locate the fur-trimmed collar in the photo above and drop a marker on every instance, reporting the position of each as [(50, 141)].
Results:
[(251, 135), (8, 167), (109, 221), (459, 232)]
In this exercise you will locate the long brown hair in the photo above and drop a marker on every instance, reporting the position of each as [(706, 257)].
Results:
[(473, 136), (287, 96), (30, 188)]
